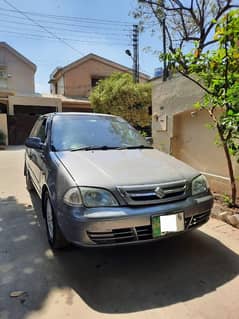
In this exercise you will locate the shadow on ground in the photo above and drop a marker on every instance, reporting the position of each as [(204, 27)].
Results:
[(112, 280)]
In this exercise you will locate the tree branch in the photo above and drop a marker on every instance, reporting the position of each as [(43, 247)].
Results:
[(195, 81), (209, 43), (220, 12)]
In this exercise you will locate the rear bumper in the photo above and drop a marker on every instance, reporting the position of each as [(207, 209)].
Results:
[(126, 225)]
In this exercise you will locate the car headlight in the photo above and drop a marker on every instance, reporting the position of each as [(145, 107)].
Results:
[(199, 185), (73, 197), (97, 197)]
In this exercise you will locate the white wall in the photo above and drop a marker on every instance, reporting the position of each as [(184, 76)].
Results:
[(20, 74), (177, 128), (168, 98)]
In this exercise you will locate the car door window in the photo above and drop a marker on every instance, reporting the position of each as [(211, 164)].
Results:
[(35, 128), (40, 130)]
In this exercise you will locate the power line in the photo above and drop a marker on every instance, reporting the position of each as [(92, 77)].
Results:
[(75, 22), (42, 27), (70, 24), (63, 17), (63, 29), (39, 36)]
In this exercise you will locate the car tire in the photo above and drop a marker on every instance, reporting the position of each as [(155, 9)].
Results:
[(55, 236), (29, 184)]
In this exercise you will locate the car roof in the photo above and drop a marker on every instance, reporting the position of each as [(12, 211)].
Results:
[(76, 114)]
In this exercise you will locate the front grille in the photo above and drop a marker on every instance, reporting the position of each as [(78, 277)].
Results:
[(196, 220), (147, 194), (122, 235), (144, 232), (132, 234)]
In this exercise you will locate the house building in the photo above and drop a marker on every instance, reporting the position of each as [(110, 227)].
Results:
[(77, 79), (181, 130), (16, 71), (19, 104)]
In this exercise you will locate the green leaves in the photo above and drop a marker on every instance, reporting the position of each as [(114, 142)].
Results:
[(217, 71), (119, 95), (210, 61), (197, 105)]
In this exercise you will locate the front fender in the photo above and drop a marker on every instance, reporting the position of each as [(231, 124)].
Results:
[(58, 181)]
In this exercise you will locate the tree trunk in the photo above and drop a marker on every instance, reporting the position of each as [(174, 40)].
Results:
[(230, 167)]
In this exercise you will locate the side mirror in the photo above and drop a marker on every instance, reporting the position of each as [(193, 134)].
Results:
[(34, 142), (149, 140)]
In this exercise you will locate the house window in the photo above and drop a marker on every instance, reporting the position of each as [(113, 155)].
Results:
[(95, 80), (3, 78), (3, 108)]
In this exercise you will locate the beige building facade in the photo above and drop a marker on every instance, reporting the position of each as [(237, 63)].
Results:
[(20, 106), (23, 110), (181, 130), (78, 78), (16, 71)]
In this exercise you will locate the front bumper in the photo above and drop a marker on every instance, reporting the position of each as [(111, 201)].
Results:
[(124, 225)]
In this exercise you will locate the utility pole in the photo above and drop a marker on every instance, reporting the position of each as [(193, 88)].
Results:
[(135, 56), (165, 67), (163, 25), (136, 53)]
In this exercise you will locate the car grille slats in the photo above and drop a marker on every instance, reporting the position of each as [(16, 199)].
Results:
[(138, 233), (109, 240), (117, 235), (147, 194), (144, 232), (196, 220), (122, 235)]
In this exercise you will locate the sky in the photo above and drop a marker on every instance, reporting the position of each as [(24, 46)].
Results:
[(84, 27)]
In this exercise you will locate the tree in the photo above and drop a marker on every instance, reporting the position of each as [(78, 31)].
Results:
[(212, 63), (119, 95)]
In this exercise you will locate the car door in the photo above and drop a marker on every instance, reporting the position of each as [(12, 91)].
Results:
[(29, 151), (37, 157)]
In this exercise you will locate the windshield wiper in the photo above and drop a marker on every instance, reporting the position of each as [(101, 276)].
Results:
[(132, 147), (94, 147), (105, 147)]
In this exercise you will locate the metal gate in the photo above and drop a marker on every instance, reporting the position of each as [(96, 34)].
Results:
[(19, 127), (20, 124)]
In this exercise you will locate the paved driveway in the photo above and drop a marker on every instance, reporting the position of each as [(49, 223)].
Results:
[(191, 276)]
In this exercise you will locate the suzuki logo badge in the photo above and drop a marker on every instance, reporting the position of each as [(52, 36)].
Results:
[(159, 192)]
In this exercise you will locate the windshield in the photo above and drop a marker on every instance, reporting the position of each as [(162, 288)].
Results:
[(75, 132)]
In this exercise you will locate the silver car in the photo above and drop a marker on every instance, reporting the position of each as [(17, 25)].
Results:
[(101, 183)]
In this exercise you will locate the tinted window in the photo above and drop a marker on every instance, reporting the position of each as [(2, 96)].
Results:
[(35, 128), (39, 130), (42, 131), (71, 132)]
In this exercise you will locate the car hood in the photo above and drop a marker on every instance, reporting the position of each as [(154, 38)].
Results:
[(109, 168)]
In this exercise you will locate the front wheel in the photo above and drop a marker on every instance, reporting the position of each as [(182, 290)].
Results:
[(55, 237)]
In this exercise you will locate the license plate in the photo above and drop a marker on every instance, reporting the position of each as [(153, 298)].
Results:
[(167, 224)]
